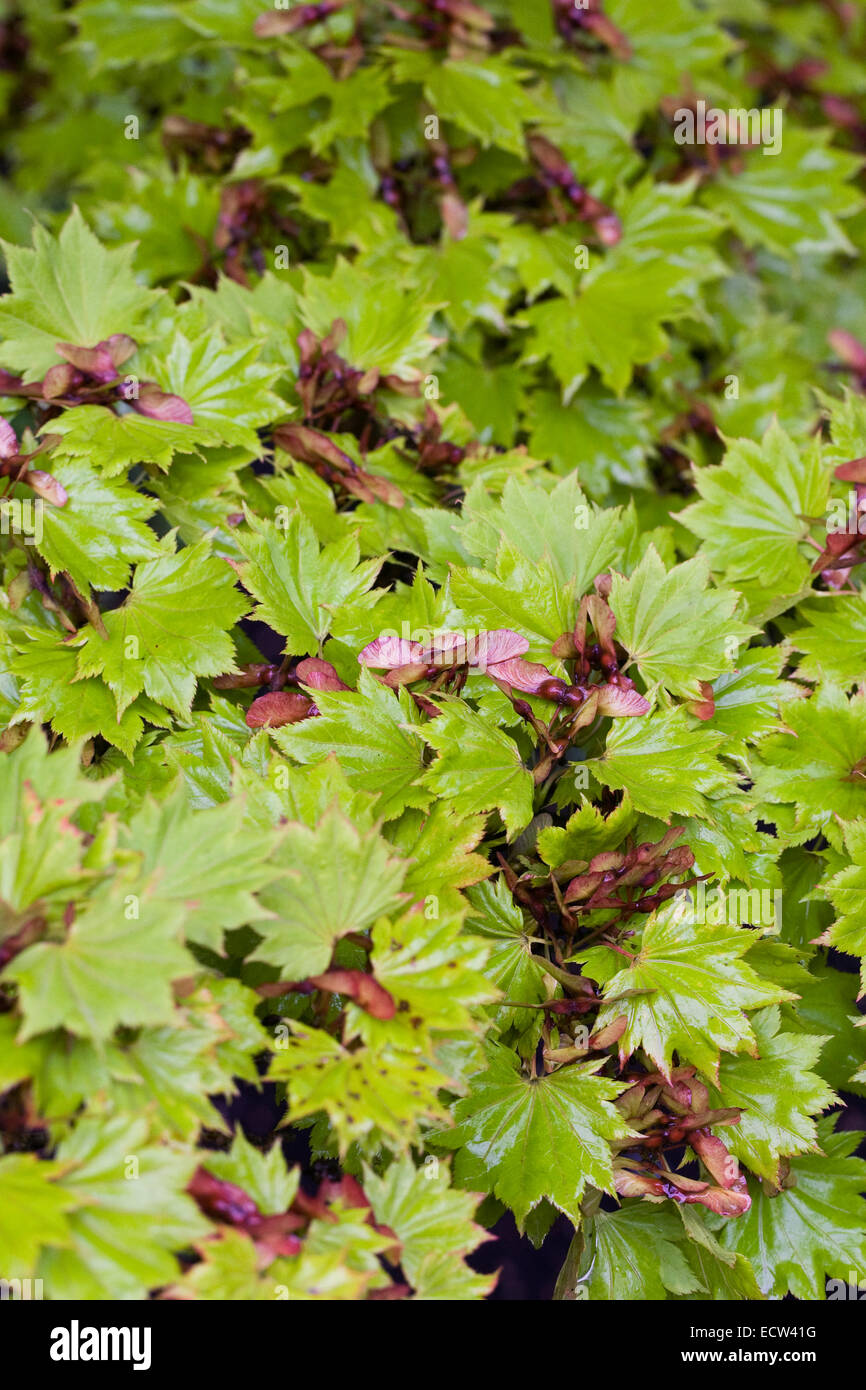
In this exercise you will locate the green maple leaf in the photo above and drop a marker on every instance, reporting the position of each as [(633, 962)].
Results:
[(214, 20), (828, 1009), (33, 1211), (491, 397), (62, 1070), (662, 219), (205, 865), (170, 1073), (443, 1279), (120, 935), (725, 843), (518, 594), (265, 313), (434, 1225), (226, 387), (847, 892), (682, 38), (365, 1093), (77, 709), (370, 731), (160, 861), (207, 754), (747, 699), (167, 1073), (698, 988), (775, 960), (805, 915), (44, 861), (810, 1230), (354, 106), (229, 1268), (282, 793), (434, 973), (170, 211), (264, 1176), (778, 1093), (771, 202), (384, 328), (50, 777), (349, 1231), (511, 966), (815, 764), (68, 289), (525, 1138), (335, 880), (99, 531), (422, 606), (723, 1274), (609, 434), (112, 443), (753, 512), (577, 540), (634, 1253), (466, 276), (345, 203), (676, 628), (305, 591), (171, 628), (834, 641), (586, 832), (665, 763), (438, 845), (596, 128), (616, 321), (338, 1260), (133, 1212), (478, 767), (151, 35), (485, 99)]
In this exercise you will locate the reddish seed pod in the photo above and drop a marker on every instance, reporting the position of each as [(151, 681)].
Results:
[(574, 696), (552, 689), (668, 890)]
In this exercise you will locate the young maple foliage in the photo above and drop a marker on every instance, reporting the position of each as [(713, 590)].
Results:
[(433, 692)]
